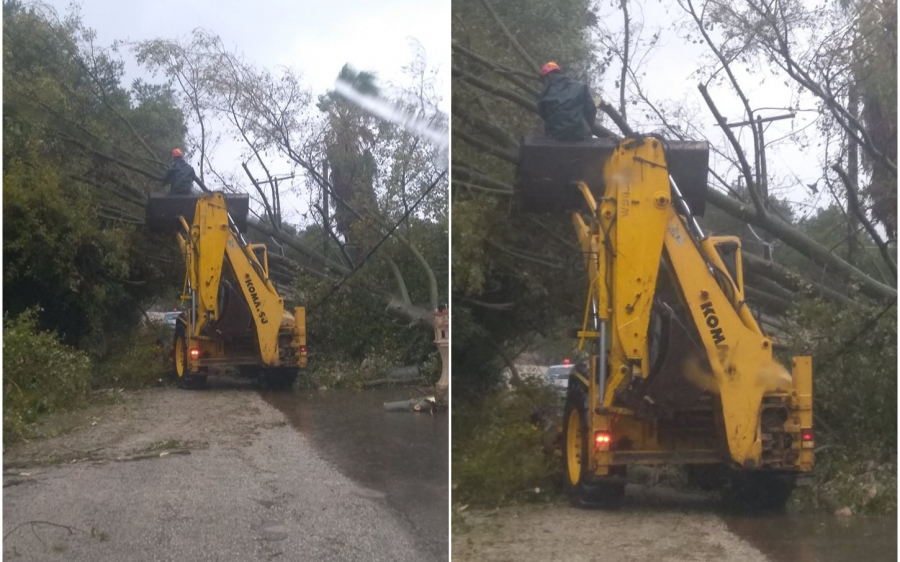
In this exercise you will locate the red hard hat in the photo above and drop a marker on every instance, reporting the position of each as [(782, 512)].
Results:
[(177, 153), (548, 68)]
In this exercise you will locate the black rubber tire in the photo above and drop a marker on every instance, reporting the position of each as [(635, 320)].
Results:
[(277, 380), (588, 491), (705, 477), (185, 380), (757, 491)]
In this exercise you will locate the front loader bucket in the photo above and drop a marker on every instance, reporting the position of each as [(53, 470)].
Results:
[(549, 169), (163, 211)]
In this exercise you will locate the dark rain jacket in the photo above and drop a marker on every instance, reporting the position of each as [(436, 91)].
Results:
[(567, 108), (180, 176)]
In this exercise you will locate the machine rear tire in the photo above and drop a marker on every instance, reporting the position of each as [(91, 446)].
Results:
[(583, 488), (758, 491), (180, 351), (276, 380)]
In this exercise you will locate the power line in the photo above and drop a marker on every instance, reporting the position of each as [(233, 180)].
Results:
[(380, 242)]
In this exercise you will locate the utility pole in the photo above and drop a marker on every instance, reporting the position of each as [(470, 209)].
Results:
[(325, 209)]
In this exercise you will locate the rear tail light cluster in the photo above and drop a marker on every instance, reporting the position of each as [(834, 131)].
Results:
[(602, 439), (807, 438), (195, 353)]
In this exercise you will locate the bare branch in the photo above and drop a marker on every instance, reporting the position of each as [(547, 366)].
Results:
[(745, 166), (488, 148), (512, 39), (853, 203), (460, 171), (627, 23), (803, 244), (510, 75)]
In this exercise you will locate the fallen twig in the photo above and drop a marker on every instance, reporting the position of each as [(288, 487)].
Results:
[(50, 523)]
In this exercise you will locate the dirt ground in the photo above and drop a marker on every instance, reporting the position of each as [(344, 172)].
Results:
[(655, 526), (166, 474)]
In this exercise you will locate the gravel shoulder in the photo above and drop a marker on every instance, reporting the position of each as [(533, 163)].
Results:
[(172, 475), (647, 528)]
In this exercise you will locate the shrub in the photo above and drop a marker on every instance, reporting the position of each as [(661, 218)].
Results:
[(855, 403), (499, 454), (40, 374), (854, 373), (136, 359), (845, 478)]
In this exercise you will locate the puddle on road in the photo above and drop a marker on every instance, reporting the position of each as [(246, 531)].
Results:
[(397, 457), (799, 537), (819, 537)]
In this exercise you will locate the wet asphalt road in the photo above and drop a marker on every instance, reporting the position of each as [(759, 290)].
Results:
[(663, 525), (819, 537), (402, 457), (252, 487)]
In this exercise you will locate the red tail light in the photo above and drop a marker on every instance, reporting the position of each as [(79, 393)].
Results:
[(602, 439), (302, 349), (195, 353), (807, 438)]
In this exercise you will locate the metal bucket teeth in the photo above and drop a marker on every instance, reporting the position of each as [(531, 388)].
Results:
[(163, 211), (548, 170)]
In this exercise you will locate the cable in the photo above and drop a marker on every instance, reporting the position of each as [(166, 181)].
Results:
[(380, 242)]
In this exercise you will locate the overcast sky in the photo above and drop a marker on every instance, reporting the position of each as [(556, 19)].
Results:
[(318, 38), (671, 77), (315, 38)]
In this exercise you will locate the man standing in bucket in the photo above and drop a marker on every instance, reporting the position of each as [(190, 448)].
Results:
[(565, 105), (179, 175)]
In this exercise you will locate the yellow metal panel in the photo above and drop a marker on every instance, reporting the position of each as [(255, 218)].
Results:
[(599, 459), (802, 381), (300, 324), (640, 179), (267, 307), (739, 265), (264, 264), (211, 229), (708, 247)]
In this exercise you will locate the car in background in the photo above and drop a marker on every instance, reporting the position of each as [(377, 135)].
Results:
[(557, 376)]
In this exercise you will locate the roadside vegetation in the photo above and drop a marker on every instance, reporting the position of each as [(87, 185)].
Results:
[(502, 451), (43, 375)]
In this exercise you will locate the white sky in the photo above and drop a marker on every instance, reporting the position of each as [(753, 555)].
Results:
[(314, 38), (671, 77), (317, 38)]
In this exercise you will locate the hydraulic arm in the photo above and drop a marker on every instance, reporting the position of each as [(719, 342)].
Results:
[(707, 390)]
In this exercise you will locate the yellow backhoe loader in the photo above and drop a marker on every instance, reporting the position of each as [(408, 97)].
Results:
[(235, 316), (679, 372)]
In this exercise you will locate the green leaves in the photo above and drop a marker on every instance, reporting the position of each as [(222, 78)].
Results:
[(76, 142), (39, 373)]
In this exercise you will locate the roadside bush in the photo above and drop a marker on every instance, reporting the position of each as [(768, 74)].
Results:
[(136, 359), (854, 372), (855, 403), (40, 374), (844, 478), (499, 454)]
